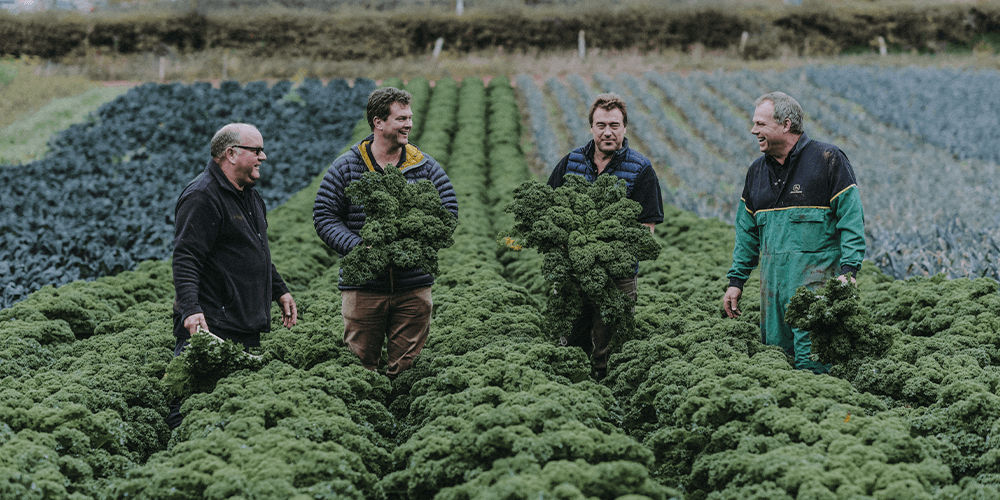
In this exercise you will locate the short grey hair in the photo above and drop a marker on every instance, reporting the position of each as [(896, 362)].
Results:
[(785, 108), (227, 137)]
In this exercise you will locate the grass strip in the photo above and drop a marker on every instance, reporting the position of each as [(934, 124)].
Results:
[(27, 138)]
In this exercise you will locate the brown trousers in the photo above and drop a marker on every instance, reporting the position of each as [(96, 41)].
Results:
[(590, 332), (372, 317)]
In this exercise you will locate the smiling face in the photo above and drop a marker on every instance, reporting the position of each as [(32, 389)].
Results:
[(608, 128), (775, 139), (246, 164), (395, 129)]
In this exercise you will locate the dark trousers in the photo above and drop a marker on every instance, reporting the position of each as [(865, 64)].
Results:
[(174, 416), (403, 319), (589, 331)]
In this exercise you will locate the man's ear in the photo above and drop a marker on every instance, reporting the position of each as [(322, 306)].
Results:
[(377, 122), (787, 126)]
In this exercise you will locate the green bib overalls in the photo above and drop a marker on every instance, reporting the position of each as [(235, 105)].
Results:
[(802, 230)]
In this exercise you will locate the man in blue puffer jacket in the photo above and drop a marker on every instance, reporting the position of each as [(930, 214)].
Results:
[(397, 305), (609, 154)]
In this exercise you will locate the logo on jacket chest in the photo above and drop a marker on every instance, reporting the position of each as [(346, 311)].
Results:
[(796, 189)]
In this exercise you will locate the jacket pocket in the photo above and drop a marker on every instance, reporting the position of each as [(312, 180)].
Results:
[(811, 229)]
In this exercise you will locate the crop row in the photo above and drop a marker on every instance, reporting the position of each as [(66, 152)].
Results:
[(958, 110), (311, 421), (695, 407), (102, 199), (549, 150), (923, 205)]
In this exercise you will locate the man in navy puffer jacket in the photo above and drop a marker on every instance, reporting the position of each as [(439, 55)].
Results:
[(396, 305), (609, 154)]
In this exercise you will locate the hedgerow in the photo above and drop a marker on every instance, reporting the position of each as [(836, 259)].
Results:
[(317, 29)]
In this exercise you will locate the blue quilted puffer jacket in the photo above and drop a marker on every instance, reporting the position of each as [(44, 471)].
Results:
[(338, 221)]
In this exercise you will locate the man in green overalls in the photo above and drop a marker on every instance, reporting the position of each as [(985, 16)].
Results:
[(800, 218)]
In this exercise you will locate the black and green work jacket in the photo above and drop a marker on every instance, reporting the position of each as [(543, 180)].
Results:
[(799, 220)]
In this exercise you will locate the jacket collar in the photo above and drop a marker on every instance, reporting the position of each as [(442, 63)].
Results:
[(219, 176), (414, 157), (804, 140), (793, 155), (616, 159)]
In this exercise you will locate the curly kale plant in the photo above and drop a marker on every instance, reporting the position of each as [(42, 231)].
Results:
[(405, 226), (840, 327), (588, 235), (206, 360)]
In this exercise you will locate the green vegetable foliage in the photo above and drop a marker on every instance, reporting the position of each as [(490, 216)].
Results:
[(405, 226), (840, 327), (588, 235), (206, 360)]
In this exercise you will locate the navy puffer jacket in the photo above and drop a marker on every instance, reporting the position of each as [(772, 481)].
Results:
[(338, 221)]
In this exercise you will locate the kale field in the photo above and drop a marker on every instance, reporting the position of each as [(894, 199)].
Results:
[(696, 407)]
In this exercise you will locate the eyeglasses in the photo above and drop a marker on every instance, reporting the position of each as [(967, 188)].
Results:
[(256, 150)]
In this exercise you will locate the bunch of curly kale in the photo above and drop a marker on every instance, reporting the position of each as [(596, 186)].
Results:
[(840, 328), (588, 234), (405, 226), (206, 360)]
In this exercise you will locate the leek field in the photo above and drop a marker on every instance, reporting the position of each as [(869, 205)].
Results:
[(695, 407)]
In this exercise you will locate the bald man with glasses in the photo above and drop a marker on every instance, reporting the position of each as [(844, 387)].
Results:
[(224, 279)]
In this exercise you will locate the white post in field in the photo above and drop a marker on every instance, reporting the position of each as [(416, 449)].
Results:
[(437, 47)]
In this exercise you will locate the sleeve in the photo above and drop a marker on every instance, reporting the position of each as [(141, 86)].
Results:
[(196, 228), (330, 210), (851, 228), (746, 253), (556, 177), (647, 192), (443, 184), (278, 286), (846, 205)]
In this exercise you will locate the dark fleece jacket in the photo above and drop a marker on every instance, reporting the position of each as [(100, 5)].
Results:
[(222, 264)]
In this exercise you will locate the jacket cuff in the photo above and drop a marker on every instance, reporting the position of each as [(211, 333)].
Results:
[(278, 290), (188, 310), (853, 271), (738, 283)]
